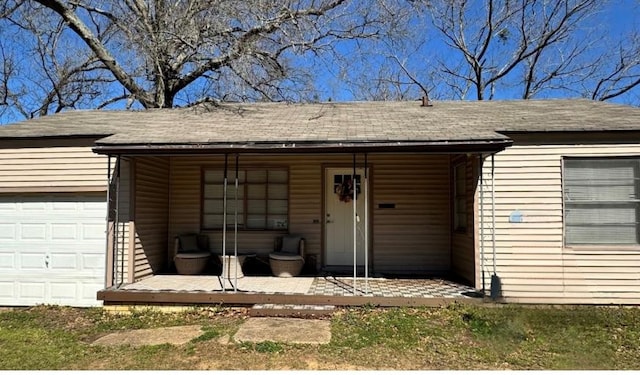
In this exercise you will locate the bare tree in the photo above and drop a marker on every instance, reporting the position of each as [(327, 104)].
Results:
[(620, 71), (164, 53), (516, 49), (502, 36)]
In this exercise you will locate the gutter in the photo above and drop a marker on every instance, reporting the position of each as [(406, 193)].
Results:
[(304, 148)]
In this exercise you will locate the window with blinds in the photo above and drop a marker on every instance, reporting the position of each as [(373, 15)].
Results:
[(262, 199), (601, 201), (460, 198)]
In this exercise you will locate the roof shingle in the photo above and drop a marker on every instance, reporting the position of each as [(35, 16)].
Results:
[(320, 123)]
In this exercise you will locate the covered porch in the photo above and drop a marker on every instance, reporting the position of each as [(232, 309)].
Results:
[(412, 235), (385, 209)]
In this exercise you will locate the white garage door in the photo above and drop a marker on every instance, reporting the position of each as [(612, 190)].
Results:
[(52, 249)]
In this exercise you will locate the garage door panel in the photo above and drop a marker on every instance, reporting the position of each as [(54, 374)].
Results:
[(93, 232), (52, 249), (32, 290), (64, 232), (63, 291), (7, 261), (32, 206), (32, 261), (7, 290), (92, 262), (61, 206), (33, 231), (64, 261), (8, 231)]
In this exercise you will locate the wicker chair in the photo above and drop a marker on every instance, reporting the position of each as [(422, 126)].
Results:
[(288, 258), (191, 253)]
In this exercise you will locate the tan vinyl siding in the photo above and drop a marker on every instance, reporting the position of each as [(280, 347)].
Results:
[(531, 260), (151, 215), (413, 237), (51, 169), (463, 257)]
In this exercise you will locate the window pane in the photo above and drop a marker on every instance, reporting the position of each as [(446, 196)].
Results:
[(460, 179), (256, 221), (212, 206), (213, 191), (607, 191), (601, 235), (231, 204), (277, 206), (213, 176), (601, 214), (256, 206), (257, 176), (212, 221), (257, 191), (277, 222), (278, 191), (278, 176)]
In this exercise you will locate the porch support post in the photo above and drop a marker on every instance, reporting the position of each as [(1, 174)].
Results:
[(108, 269), (365, 186), (224, 223), (355, 224), (235, 230), (116, 258), (122, 245)]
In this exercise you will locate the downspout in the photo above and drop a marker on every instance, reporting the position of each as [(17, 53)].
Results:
[(481, 169), (496, 283), (493, 212), (495, 280)]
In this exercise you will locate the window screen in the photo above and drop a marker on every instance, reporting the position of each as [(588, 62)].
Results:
[(601, 201)]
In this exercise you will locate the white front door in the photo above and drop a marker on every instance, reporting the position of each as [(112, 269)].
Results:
[(339, 216)]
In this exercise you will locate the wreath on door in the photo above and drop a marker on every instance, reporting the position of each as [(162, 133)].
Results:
[(345, 191)]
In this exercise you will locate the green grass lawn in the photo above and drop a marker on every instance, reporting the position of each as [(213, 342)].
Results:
[(452, 337)]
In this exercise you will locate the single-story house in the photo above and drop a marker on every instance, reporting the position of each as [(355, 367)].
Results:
[(532, 201)]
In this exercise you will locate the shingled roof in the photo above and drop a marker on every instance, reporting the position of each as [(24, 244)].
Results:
[(322, 125)]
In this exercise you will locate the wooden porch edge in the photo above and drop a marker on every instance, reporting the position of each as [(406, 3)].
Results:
[(119, 296)]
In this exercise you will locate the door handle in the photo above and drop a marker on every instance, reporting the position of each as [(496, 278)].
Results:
[(329, 221)]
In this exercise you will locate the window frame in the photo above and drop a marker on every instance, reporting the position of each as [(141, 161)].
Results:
[(595, 247), (456, 212), (244, 199)]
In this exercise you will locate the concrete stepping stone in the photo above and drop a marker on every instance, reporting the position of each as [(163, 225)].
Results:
[(285, 330), (155, 336)]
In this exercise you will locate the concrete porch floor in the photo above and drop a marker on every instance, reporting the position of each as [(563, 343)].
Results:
[(306, 285)]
